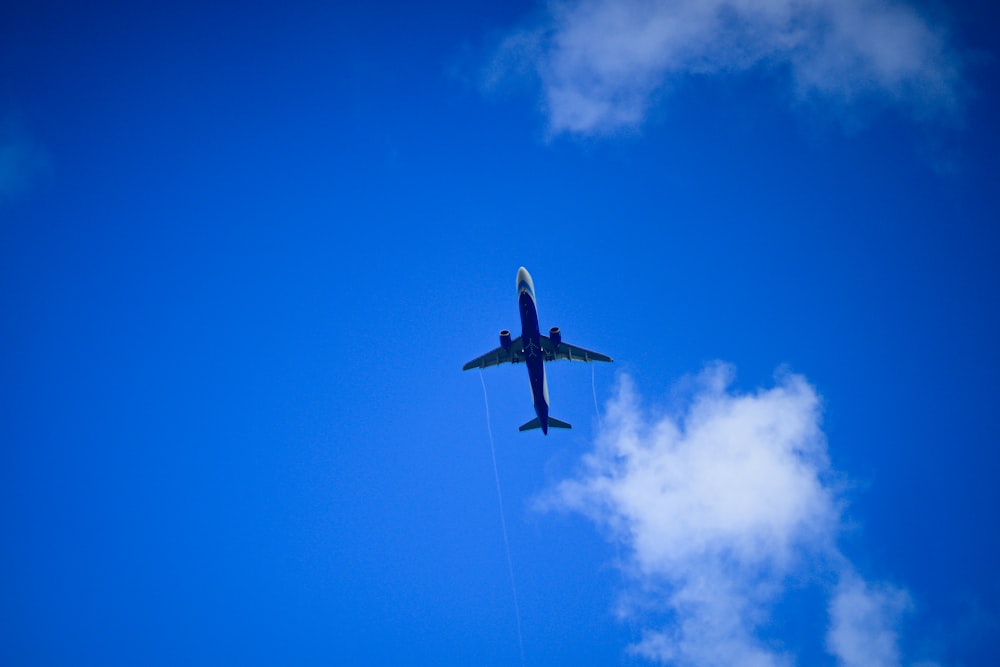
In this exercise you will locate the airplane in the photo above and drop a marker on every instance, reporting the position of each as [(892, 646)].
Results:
[(533, 349)]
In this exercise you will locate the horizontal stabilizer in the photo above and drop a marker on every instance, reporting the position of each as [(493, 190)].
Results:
[(557, 423), (536, 423)]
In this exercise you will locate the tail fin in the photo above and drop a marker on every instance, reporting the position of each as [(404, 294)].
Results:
[(536, 423)]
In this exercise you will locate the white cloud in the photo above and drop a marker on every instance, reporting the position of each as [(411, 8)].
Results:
[(739, 478), (600, 62), (717, 506), (863, 622)]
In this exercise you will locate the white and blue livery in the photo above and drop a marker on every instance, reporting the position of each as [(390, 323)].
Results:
[(534, 350)]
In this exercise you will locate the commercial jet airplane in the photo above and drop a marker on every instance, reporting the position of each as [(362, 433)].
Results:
[(533, 348)]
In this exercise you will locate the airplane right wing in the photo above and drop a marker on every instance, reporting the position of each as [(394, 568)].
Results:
[(571, 352), (512, 354)]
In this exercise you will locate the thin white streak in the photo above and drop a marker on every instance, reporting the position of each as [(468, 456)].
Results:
[(503, 521)]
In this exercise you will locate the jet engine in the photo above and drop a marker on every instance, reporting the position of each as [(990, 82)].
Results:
[(505, 339), (555, 336)]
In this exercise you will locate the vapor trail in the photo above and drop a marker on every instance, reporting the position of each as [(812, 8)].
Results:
[(503, 520)]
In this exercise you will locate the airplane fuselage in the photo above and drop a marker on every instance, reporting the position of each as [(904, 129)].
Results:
[(531, 339), (534, 349)]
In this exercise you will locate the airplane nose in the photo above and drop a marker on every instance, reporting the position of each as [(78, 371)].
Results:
[(524, 280)]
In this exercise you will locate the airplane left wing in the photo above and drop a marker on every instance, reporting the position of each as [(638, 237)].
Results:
[(571, 352), (511, 354)]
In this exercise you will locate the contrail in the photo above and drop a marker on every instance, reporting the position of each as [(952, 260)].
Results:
[(593, 387), (503, 520)]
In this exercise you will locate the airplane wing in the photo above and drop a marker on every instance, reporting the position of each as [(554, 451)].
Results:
[(566, 351), (509, 355)]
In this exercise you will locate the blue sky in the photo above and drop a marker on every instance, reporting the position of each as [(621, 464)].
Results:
[(244, 254)]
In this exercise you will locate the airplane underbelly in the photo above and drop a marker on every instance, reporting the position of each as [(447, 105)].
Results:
[(533, 354), (539, 385)]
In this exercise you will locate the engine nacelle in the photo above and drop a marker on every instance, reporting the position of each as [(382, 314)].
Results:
[(555, 336), (505, 339)]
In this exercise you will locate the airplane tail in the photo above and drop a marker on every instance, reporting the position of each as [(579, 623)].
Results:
[(558, 423), (537, 423)]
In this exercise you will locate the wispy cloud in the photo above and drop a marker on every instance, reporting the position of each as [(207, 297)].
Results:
[(717, 505), (601, 63), (21, 160), (863, 620)]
